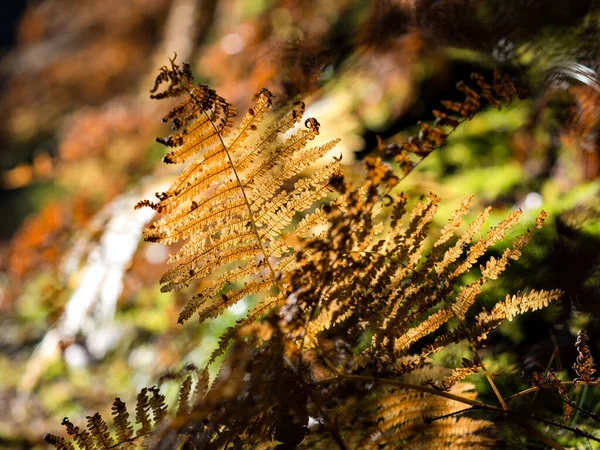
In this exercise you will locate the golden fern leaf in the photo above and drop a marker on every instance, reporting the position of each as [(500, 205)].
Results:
[(485, 321), (518, 304), (456, 251), (455, 434), (494, 267), (494, 235), (401, 417), (386, 289), (232, 203), (456, 375), (427, 326)]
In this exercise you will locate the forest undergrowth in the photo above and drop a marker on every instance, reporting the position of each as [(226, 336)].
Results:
[(355, 296), (392, 244)]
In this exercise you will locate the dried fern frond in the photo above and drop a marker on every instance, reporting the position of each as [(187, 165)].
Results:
[(550, 381), (151, 415), (401, 417), (456, 375), (363, 277), (500, 91), (584, 368), (236, 196), (256, 398), (584, 365)]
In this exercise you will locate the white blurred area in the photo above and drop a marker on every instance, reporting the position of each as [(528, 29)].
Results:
[(95, 268)]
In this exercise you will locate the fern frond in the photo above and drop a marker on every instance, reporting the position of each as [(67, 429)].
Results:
[(428, 326), (184, 396), (502, 89), (141, 413), (549, 380), (232, 203), (82, 438), (201, 386), (584, 365), (123, 427), (494, 267), (98, 436), (457, 374), (99, 431), (454, 223), (456, 251), (401, 419), (495, 234), (351, 279), (518, 304), (58, 442), (157, 405)]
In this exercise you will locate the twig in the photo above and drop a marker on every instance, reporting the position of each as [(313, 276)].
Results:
[(428, 420), (537, 388), (403, 385), (540, 436), (488, 376)]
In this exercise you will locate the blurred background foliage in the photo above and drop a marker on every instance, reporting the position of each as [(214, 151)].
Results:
[(83, 319)]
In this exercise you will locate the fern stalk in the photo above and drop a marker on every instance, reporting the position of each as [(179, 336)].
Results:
[(252, 222)]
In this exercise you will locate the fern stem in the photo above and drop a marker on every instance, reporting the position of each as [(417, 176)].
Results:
[(429, 420), (540, 436), (537, 388), (252, 222), (577, 431), (489, 377), (414, 387)]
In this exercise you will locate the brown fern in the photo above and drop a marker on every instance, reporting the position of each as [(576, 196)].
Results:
[(231, 203), (584, 368), (367, 277), (500, 91), (402, 419), (363, 297), (584, 365), (151, 416), (550, 381)]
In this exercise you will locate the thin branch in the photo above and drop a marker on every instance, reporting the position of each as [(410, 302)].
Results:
[(489, 377), (537, 388), (577, 431), (403, 385), (539, 436), (428, 420)]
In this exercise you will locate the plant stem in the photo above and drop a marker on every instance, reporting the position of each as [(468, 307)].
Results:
[(250, 213), (403, 385), (534, 389)]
